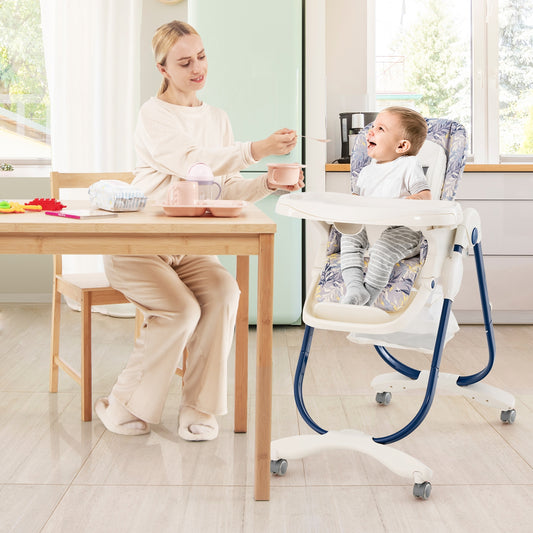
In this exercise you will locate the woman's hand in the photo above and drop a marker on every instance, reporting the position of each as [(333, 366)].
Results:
[(281, 142), (295, 187)]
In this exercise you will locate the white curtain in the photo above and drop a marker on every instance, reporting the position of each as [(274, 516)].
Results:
[(93, 69)]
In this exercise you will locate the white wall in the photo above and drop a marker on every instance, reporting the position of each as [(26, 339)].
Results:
[(348, 73), (154, 15)]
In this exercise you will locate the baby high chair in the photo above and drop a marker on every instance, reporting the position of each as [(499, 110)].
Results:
[(413, 311)]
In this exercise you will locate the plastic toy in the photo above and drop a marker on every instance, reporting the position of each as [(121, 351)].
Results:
[(16, 207), (11, 207), (48, 204)]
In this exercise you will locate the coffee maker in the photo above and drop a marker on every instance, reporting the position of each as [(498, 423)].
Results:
[(351, 124)]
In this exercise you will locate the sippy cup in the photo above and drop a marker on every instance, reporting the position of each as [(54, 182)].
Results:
[(208, 188)]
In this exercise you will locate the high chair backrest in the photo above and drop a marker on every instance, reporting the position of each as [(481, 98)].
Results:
[(443, 156)]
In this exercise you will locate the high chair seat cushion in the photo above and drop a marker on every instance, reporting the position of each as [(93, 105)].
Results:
[(330, 287)]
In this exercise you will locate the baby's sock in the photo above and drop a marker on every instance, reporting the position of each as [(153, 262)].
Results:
[(373, 293), (195, 425), (356, 294)]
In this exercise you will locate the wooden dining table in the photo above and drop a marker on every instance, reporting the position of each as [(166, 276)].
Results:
[(150, 231)]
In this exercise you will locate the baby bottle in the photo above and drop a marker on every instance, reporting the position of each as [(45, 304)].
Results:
[(208, 188)]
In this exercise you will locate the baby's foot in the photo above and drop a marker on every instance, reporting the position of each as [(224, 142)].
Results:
[(194, 425), (355, 295), (373, 293)]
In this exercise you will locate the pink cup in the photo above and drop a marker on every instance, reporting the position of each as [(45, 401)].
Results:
[(183, 193), (284, 173)]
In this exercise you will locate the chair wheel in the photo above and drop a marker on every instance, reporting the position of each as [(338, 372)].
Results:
[(422, 490), (383, 398), (508, 417), (279, 467)]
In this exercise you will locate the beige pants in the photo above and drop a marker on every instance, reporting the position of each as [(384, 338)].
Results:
[(187, 301)]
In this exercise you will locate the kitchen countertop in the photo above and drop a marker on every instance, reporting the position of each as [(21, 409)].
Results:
[(509, 167)]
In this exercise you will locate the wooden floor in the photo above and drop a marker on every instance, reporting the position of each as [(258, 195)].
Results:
[(60, 474)]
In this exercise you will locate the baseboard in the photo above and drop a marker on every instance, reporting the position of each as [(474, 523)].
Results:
[(498, 317), (26, 298)]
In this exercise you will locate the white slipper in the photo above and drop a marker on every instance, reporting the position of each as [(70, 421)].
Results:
[(134, 426), (196, 426)]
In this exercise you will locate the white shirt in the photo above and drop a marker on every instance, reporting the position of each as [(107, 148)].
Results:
[(170, 138), (395, 179)]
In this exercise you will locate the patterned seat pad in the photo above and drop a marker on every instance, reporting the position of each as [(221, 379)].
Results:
[(330, 287)]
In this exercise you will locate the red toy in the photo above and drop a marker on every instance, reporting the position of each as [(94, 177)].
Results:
[(48, 204)]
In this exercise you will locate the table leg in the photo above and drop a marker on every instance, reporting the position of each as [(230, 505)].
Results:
[(263, 402), (241, 347)]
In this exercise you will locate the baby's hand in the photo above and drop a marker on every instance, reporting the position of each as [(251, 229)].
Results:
[(422, 195)]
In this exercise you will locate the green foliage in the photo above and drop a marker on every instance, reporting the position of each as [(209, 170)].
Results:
[(527, 142), (22, 70), (435, 66), (515, 70)]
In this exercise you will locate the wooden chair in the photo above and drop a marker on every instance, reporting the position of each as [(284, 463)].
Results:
[(94, 289), (85, 289)]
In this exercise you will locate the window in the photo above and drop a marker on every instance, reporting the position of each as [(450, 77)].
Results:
[(468, 61), (24, 102)]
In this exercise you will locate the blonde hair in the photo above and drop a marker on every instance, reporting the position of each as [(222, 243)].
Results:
[(164, 39), (415, 128)]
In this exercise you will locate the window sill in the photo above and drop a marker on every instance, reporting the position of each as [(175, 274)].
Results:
[(27, 171)]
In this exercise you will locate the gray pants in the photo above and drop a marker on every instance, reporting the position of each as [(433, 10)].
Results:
[(394, 244)]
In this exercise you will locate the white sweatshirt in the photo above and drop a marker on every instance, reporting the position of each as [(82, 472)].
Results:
[(170, 138)]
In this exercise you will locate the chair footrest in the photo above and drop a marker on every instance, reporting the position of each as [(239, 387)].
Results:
[(68, 369)]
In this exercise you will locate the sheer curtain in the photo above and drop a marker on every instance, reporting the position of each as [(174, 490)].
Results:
[(93, 69)]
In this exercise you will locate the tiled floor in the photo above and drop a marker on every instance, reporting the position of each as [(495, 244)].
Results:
[(58, 474)]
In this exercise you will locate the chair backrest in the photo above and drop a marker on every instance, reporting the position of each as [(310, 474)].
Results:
[(443, 156), (77, 180)]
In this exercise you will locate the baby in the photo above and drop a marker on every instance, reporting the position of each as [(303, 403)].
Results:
[(395, 138)]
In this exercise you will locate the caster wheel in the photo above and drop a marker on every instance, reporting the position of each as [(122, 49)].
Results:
[(383, 398), (279, 467), (422, 490), (508, 417)]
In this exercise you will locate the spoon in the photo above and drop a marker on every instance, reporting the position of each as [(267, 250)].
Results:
[(315, 139)]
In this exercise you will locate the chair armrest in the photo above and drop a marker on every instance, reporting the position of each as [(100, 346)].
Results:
[(346, 208)]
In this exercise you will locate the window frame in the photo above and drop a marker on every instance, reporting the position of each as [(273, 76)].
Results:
[(25, 166), (485, 145), (485, 84)]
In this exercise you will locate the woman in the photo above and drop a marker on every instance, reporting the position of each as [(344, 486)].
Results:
[(187, 301)]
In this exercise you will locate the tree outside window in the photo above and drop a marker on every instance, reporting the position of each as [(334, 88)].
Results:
[(24, 101), (433, 47), (516, 76)]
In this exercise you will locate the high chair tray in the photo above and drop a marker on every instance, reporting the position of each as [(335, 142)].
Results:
[(339, 207)]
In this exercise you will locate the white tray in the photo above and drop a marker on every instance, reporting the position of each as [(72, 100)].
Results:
[(339, 207)]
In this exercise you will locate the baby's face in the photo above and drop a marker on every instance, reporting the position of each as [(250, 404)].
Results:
[(385, 138)]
